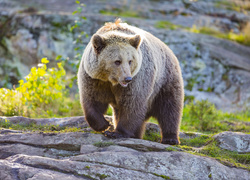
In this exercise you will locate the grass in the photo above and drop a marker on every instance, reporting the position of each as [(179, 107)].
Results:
[(202, 116), (209, 147), (205, 145), (167, 25), (242, 38), (123, 12), (233, 5)]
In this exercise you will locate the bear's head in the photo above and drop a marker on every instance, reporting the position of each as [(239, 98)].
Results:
[(117, 56)]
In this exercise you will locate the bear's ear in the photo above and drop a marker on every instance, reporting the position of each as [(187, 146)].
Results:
[(98, 43), (135, 41)]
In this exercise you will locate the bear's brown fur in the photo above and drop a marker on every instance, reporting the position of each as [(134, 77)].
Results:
[(138, 75)]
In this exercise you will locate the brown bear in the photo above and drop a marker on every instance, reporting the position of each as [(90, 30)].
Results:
[(138, 75)]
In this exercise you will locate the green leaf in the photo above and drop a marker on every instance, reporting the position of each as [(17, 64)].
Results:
[(58, 57)]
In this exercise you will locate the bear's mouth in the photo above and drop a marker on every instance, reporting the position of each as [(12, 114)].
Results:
[(123, 84)]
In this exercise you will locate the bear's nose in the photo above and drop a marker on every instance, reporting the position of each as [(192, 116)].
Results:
[(127, 79)]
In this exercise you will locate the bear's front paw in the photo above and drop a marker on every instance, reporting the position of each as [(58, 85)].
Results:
[(101, 126), (170, 141), (114, 135)]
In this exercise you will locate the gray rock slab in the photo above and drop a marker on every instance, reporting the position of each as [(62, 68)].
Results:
[(86, 149), (5, 131), (234, 141), (142, 145), (17, 171), (7, 150), (176, 165), (77, 121), (84, 169), (67, 141)]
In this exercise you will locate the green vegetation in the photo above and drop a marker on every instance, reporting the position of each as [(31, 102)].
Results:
[(205, 145), (42, 93), (242, 38), (162, 176), (167, 25), (209, 147), (152, 136), (121, 12), (233, 5), (202, 116), (102, 176)]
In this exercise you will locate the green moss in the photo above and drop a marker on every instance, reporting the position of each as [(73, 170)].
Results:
[(210, 175), (87, 167), (152, 136), (162, 176), (103, 144), (233, 5), (171, 148), (167, 25), (102, 176), (196, 142), (123, 12), (242, 38), (211, 149)]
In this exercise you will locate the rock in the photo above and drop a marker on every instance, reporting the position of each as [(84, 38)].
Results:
[(66, 141), (233, 141), (77, 121), (152, 128), (84, 155), (175, 165), (5, 131), (142, 145), (110, 162), (186, 135), (86, 149), (13, 171)]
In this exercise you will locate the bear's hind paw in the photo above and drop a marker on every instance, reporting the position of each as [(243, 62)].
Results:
[(170, 141)]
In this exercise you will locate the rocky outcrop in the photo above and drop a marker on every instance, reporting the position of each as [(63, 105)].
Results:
[(233, 141), (213, 69), (85, 155), (77, 156)]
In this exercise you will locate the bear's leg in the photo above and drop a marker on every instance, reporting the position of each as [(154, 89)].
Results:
[(168, 111), (94, 115), (128, 124)]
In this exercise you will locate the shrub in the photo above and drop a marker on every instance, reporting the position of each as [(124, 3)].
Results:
[(41, 93), (204, 115)]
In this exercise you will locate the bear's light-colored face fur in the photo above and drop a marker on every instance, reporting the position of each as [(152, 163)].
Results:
[(118, 62)]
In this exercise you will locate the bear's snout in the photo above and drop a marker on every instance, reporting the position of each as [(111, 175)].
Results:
[(128, 79)]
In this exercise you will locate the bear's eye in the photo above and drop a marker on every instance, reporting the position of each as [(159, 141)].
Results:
[(130, 62), (118, 62)]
